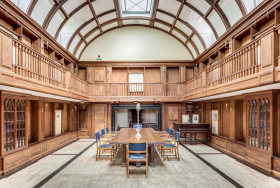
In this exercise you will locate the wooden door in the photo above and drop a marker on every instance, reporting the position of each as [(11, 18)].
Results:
[(173, 114), (99, 117)]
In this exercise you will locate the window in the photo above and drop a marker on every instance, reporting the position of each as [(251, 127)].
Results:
[(14, 124), (264, 122), (9, 119), (20, 123), (134, 80), (136, 7), (259, 123), (253, 128)]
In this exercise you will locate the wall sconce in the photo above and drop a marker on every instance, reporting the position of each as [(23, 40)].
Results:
[(227, 46), (255, 23), (46, 107), (226, 106), (197, 66), (163, 69), (108, 69), (75, 108), (42, 109), (18, 23), (7, 14)]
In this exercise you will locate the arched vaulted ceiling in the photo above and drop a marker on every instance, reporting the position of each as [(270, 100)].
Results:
[(197, 24)]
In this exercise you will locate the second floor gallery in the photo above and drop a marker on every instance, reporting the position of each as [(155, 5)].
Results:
[(139, 93)]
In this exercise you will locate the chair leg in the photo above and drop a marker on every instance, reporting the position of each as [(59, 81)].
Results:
[(163, 154), (175, 153), (147, 166), (111, 154), (96, 155), (178, 153), (127, 167)]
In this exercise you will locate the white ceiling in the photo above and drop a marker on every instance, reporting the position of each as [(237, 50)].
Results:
[(192, 20)]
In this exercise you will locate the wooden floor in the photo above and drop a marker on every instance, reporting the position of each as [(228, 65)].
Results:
[(75, 166)]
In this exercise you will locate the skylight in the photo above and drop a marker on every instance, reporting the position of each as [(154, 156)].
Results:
[(136, 7)]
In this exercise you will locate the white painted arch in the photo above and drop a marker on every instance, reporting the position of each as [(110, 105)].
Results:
[(136, 44)]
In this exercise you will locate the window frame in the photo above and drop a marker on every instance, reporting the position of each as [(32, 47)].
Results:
[(258, 119)]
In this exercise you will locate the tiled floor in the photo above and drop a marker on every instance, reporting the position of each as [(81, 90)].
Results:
[(75, 166)]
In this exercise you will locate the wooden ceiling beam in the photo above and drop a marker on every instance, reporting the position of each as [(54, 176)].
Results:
[(119, 13), (153, 13), (205, 19), (84, 25), (52, 12), (214, 4), (66, 19), (177, 15), (64, 12), (94, 15), (31, 7), (186, 24), (242, 7)]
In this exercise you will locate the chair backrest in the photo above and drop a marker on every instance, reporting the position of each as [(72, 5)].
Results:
[(137, 147), (102, 133), (167, 130), (177, 136), (171, 132), (97, 136), (135, 126), (107, 130)]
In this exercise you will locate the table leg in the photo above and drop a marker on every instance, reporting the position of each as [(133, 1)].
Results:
[(191, 138), (123, 155), (194, 138), (185, 136), (152, 163)]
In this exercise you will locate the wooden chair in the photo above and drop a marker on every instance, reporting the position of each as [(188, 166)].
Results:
[(103, 135), (164, 132), (103, 146), (172, 145), (137, 152)]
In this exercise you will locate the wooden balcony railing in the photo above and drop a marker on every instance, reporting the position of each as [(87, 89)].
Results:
[(136, 89), (31, 64), (242, 63), (79, 85)]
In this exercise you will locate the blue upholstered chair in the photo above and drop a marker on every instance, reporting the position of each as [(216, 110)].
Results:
[(103, 146), (135, 126), (136, 152), (173, 144)]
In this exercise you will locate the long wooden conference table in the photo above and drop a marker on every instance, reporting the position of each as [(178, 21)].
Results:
[(128, 134)]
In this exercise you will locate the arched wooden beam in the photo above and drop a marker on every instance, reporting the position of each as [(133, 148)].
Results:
[(66, 19), (138, 25), (217, 8), (31, 7), (188, 25), (83, 39), (242, 7), (51, 13), (203, 17), (154, 12), (119, 12), (84, 25), (178, 14)]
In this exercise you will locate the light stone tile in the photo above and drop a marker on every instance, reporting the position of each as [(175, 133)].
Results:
[(84, 171)]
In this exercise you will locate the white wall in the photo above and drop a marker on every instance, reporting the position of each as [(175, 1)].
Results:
[(136, 43), (121, 118)]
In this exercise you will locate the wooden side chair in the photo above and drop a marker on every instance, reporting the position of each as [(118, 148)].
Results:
[(137, 152), (107, 133), (103, 135), (164, 132), (104, 147), (172, 145)]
